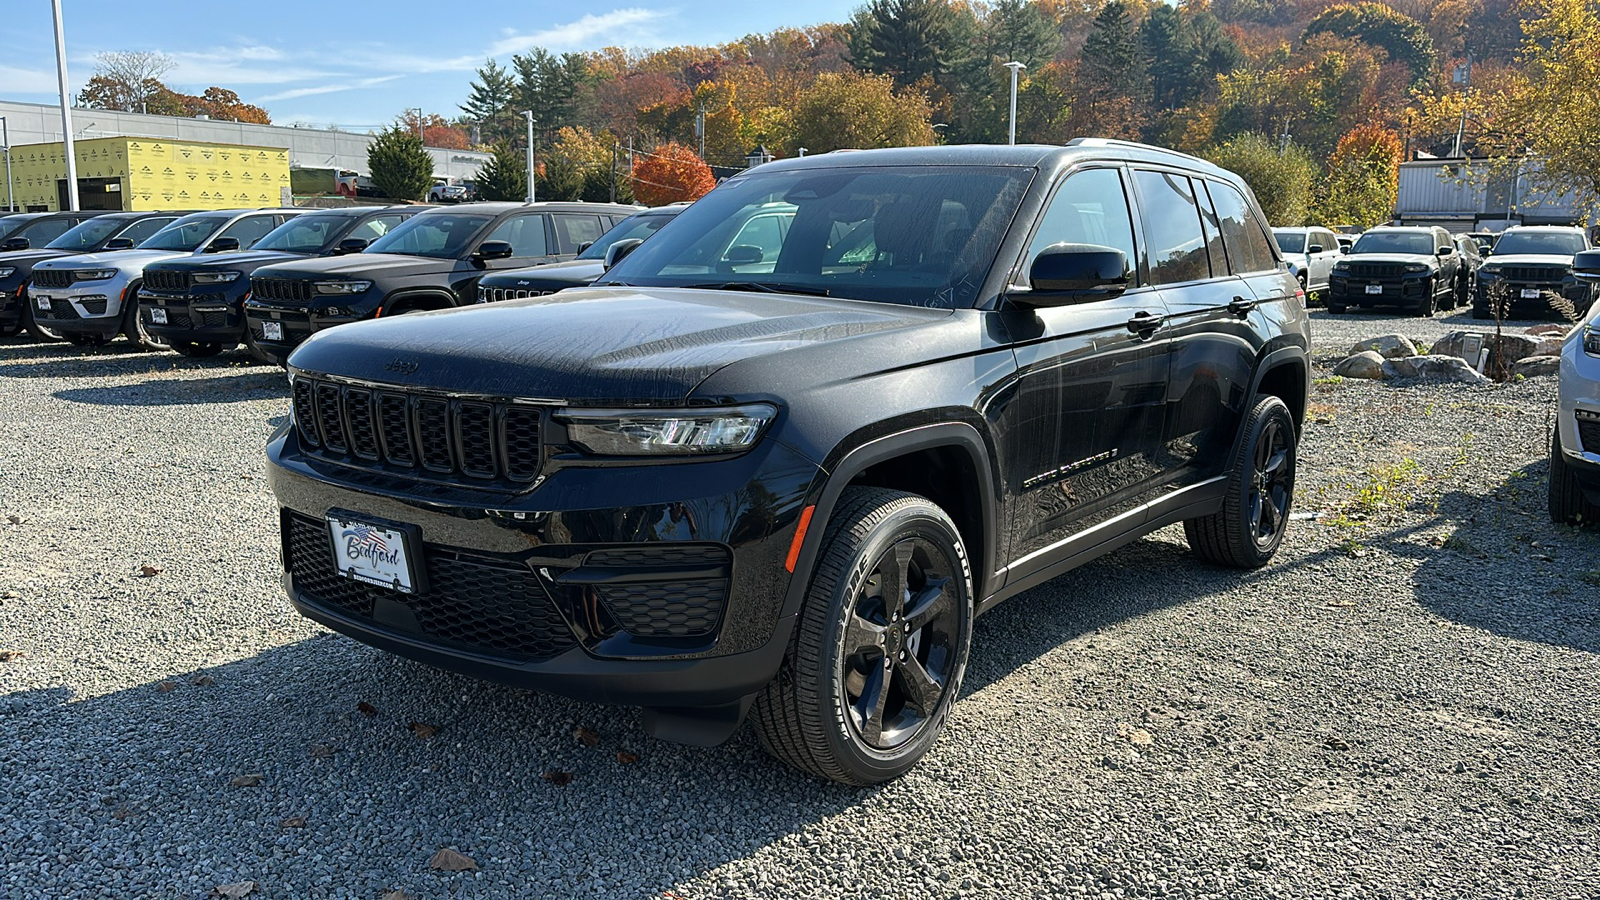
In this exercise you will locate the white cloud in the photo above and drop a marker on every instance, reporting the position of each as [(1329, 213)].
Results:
[(326, 89), (618, 27), (27, 81)]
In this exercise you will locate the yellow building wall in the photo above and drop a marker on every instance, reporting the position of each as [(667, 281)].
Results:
[(153, 173)]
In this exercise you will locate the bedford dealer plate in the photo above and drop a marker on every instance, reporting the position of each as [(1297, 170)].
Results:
[(158, 315), (42, 302), (272, 331), (1374, 288), (375, 554), (1530, 293)]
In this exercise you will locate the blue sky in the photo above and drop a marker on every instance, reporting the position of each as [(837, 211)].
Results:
[(356, 65)]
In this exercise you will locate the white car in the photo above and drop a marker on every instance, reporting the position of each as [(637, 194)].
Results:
[(1311, 253), (1575, 447), (92, 297)]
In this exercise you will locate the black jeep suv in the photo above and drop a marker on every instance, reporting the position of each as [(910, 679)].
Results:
[(195, 304), (1412, 267), (103, 232), (714, 484), (1527, 264), (432, 261), (581, 271)]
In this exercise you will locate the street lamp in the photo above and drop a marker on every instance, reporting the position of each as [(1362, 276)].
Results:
[(66, 112), (1015, 67), (11, 193), (528, 114), (418, 111)]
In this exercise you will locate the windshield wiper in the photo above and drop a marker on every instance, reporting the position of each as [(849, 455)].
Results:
[(761, 287)]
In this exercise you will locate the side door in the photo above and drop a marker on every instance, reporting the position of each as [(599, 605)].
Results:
[(575, 231), (529, 237), (1449, 260), (1209, 310), (1324, 251), (1079, 438)]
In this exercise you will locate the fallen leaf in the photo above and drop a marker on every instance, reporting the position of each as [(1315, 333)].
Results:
[(449, 860), (1136, 735), (557, 777), (15, 520), (122, 814), (397, 895), (251, 780), (9, 655), (321, 751), (367, 709), (149, 571), (587, 736), (203, 681), (627, 758), (423, 729), (166, 687), (236, 890), (294, 822)]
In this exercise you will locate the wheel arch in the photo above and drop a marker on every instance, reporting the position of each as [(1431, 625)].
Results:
[(1285, 374), (417, 299)]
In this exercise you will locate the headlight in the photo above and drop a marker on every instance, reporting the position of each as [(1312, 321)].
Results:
[(1416, 267), (7, 271), (1492, 271), (1591, 340), (215, 277), (1341, 266), (342, 287), (93, 274), (667, 432)]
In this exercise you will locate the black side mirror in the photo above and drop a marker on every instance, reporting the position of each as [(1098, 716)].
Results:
[(223, 245), (16, 243), (351, 245), (617, 251), (1442, 251), (1315, 248), (494, 250), (743, 255), (585, 245), (1063, 274), (1586, 266), (119, 244)]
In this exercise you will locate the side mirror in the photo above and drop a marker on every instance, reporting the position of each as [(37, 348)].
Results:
[(1064, 274), (743, 255), (617, 251), (351, 245), (1487, 251), (1586, 266), (494, 250), (223, 245), (1344, 251), (16, 243), (1315, 248), (119, 244), (1442, 251), (585, 245)]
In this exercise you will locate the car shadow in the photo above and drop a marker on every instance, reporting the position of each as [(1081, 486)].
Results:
[(251, 384), (25, 358)]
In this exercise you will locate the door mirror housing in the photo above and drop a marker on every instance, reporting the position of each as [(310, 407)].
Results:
[(1315, 248), (617, 251), (1442, 251), (16, 243), (1586, 266), (743, 255), (351, 245), (1344, 251), (1064, 274), (119, 244), (585, 245), (494, 250), (223, 245)]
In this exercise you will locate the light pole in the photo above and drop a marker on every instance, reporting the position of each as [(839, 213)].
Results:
[(418, 111), (11, 193), (66, 112), (528, 114), (1015, 67)]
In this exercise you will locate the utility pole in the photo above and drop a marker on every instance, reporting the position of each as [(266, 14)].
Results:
[(1015, 67), (613, 171), (528, 114), (66, 112), (11, 191), (1459, 150), (700, 129)]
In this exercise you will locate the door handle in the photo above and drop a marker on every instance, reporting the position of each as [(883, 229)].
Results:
[(1144, 324), (1239, 306)]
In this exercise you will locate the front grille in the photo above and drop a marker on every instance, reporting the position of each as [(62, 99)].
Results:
[(1377, 270), (681, 605), (495, 294), (281, 289), (486, 443), (1546, 274), (487, 606), (167, 281), (52, 278), (1589, 435)]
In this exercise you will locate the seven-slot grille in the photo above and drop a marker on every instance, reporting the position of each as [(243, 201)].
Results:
[(1533, 273), (1377, 270), (53, 278), (283, 289), (496, 294), (478, 441), (172, 282)]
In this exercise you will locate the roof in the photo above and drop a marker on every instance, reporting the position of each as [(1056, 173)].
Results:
[(498, 207), (1543, 228), (1028, 155)]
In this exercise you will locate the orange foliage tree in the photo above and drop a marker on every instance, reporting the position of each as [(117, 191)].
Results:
[(671, 174)]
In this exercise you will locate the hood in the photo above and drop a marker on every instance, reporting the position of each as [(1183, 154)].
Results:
[(1510, 259), (595, 346), (31, 257), (360, 264), (573, 271), (126, 260), (245, 260), (1406, 258)]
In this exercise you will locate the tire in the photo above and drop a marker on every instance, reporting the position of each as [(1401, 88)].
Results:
[(1568, 505), (256, 353), (1425, 306), (1248, 529), (850, 647), (133, 326), (196, 349), (34, 328)]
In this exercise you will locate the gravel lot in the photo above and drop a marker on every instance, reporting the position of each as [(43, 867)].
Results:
[(1402, 705)]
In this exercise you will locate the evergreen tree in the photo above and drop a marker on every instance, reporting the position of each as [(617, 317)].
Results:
[(1113, 85), (1214, 52), (489, 104), (1020, 30), (549, 85), (1376, 25), (505, 175), (908, 40), (1169, 45), (401, 169)]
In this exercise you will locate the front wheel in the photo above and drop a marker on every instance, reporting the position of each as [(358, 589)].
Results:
[(1568, 505), (1246, 532), (1425, 305), (881, 644)]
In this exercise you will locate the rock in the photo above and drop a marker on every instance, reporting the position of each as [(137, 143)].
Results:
[(1366, 364), (1434, 368), (1388, 346), (1549, 346), (1532, 366), (1512, 346), (1549, 330)]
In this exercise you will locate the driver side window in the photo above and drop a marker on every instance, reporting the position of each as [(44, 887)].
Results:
[(1089, 208), (525, 234)]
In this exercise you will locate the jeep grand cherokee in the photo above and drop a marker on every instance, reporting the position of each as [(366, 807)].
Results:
[(783, 484)]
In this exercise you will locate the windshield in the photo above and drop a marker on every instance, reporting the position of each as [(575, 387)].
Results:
[(1547, 243), (88, 234), (436, 235), (915, 235), (1291, 241), (640, 226), (305, 233), (1412, 242), (186, 234)]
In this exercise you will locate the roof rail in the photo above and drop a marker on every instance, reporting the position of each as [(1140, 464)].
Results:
[(1132, 145)]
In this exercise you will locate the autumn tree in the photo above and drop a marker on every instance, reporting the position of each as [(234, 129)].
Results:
[(400, 168), (1362, 179), (1113, 87), (844, 110), (505, 175), (436, 131), (583, 161), (1376, 25), (125, 80), (670, 174), (1281, 177)]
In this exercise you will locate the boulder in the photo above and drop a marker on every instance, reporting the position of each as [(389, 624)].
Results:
[(1434, 368), (1366, 364), (1512, 346), (1549, 330), (1531, 366), (1388, 346), (1548, 346)]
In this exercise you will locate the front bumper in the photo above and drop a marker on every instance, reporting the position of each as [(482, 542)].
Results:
[(656, 586), (1578, 416), (211, 317), (12, 297), (1581, 295), (297, 324), (1404, 290), (87, 307)]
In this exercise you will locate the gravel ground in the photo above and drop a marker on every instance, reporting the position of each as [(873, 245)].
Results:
[(1402, 705)]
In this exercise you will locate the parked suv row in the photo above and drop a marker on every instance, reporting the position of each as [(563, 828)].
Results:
[(780, 477)]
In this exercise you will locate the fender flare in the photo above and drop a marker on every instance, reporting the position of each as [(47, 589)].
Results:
[(1292, 356), (926, 437), (451, 300)]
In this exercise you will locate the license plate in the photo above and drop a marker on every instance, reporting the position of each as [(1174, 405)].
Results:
[(1530, 293), (1374, 288), (272, 331), (374, 554), (42, 303), (158, 316)]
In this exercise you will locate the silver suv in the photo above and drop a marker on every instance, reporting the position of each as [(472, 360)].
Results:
[(1311, 253), (1575, 447)]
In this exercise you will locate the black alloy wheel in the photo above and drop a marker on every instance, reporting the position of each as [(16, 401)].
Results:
[(1425, 306), (1271, 483), (1254, 518)]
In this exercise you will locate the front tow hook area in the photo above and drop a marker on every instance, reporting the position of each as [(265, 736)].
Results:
[(697, 726)]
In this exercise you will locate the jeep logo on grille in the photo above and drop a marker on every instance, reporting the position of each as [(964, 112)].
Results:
[(403, 366)]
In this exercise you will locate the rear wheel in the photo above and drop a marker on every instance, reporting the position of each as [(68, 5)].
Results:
[(1246, 532), (881, 644), (1568, 505)]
